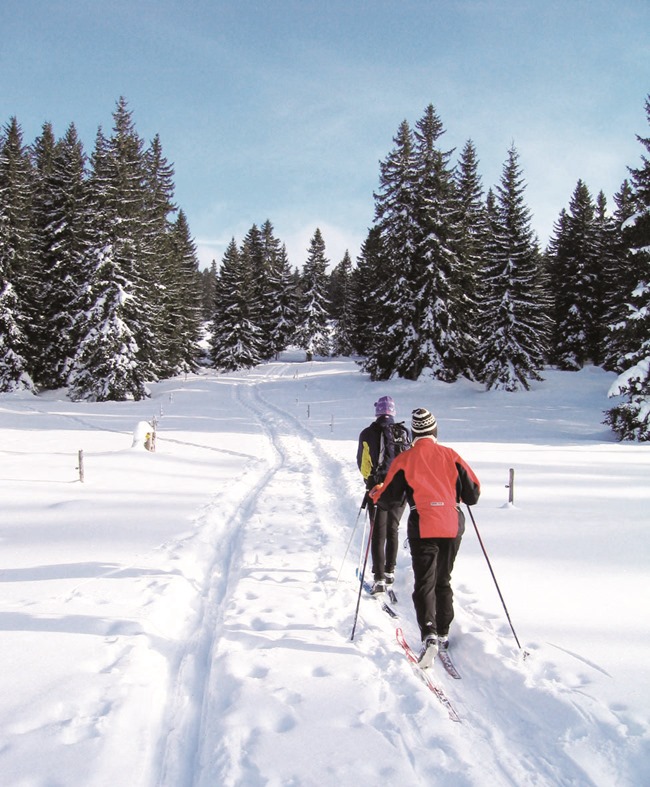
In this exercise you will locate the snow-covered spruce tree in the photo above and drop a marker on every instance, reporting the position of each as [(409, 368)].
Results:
[(281, 297), (341, 303), (274, 293), (41, 154), (208, 289), (158, 266), (235, 339), (13, 367), (366, 286), (514, 326), (62, 224), (106, 366), (135, 240), (471, 240), (393, 316), (172, 265), (575, 272), (134, 231), (608, 243), (631, 418), (439, 341), (183, 303), (337, 282), (253, 265), (313, 332), (16, 249), (620, 280)]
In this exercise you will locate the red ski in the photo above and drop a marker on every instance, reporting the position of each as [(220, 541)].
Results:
[(426, 676)]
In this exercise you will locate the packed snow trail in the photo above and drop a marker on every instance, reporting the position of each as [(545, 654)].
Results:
[(275, 633)]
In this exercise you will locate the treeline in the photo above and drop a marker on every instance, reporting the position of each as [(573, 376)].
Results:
[(257, 305), (461, 286), (451, 282), (100, 289), (99, 284)]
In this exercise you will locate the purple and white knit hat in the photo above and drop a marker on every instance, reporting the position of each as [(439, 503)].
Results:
[(385, 406)]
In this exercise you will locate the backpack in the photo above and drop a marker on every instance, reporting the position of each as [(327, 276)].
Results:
[(399, 439)]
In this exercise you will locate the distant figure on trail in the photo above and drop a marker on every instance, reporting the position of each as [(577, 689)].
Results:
[(435, 479), (379, 444)]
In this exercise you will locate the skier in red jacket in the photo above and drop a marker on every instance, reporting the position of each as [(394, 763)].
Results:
[(435, 479)]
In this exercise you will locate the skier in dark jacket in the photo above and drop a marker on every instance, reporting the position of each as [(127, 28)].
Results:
[(375, 454), (435, 480)]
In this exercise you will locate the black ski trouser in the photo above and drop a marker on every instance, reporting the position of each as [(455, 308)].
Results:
[(433, 561), (385, 539)]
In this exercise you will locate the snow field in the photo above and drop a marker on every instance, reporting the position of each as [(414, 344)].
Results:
[(183, 617)]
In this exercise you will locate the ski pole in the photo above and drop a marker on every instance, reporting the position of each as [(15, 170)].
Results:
[(354, 530), (480, 540), (363, 571), (363, 541)]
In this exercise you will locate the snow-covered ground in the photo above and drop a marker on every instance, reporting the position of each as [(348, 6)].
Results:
[(184, 616)]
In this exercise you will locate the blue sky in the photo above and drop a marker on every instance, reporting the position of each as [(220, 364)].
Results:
[(282, 109)]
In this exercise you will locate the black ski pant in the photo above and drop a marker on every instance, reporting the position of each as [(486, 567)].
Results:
[(433, 561), (385, 538)]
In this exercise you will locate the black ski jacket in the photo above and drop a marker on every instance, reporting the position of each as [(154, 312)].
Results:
[(376, 451)]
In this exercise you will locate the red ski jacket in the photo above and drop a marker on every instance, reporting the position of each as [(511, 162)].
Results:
[(436, 479)]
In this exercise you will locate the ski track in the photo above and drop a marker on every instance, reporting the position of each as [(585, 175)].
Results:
[(272, 564), (197, 676)]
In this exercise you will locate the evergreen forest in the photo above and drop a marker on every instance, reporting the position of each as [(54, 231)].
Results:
[(101, 292)]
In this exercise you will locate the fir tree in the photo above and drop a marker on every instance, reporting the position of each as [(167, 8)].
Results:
[(343, 330), (16, 256), (630, 419), (575, 274), (313, 314), (61, 216), (393, 317), (134, 230), (279, 296), (14, 374), (273, 293), (160, 261), (337, 282), (436, 340), (253, 266), (42, 158), (367, 277), (208, 289), (471, 240), (607, 244), (235, 339), (515, 325), (184, 310), (620, 281), (106, 366)]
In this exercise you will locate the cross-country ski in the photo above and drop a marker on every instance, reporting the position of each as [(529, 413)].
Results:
[(426, 676)]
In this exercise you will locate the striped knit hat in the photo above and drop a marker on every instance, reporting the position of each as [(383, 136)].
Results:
[(423, 423)]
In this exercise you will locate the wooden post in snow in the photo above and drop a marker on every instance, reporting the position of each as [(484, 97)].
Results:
[(81, 466), (510, 486)]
